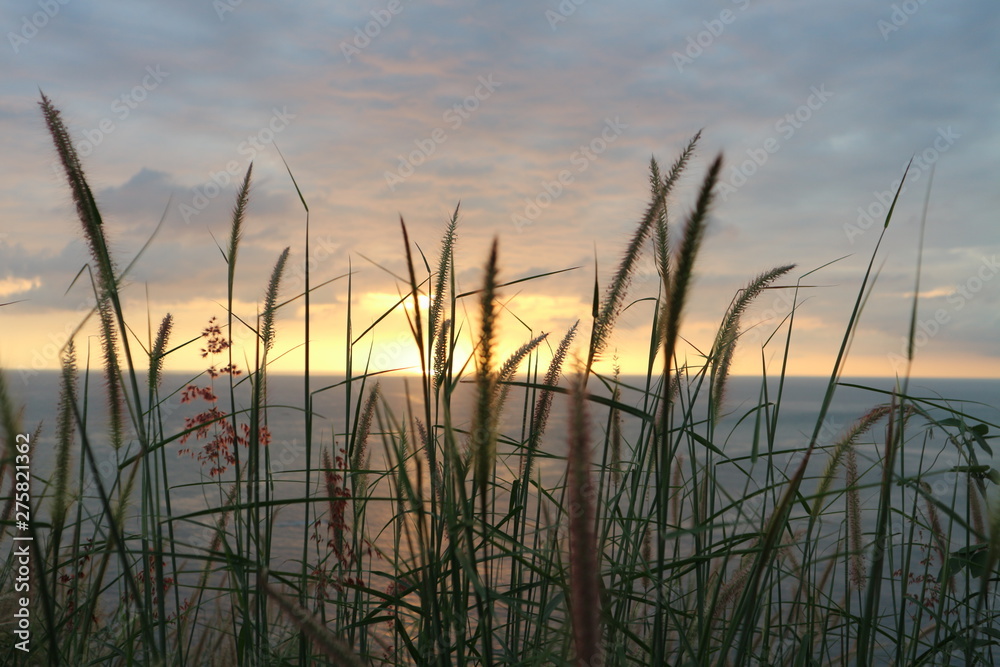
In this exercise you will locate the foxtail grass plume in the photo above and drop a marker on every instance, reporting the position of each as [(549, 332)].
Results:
[(694, 232), (666, 184), (846, 442), (158, 352), (271, 300), (236, 228), (732, 589), (65, 434), (445, 261), (729, 332), (937, 532), (509, 368), (543, 404), (441, 355), (585, 600), (614, 298), (854, 543), (106, 285), (484, 434), (358, 453), (610, 307)]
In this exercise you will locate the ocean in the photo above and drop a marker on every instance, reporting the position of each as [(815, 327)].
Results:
[(194, 489), (37, 393), (739, 474)]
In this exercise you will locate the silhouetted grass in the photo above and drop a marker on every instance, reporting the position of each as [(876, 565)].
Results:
[(425, 542)]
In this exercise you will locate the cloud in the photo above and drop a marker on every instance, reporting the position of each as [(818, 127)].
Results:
[(350, 122), (18, 286)]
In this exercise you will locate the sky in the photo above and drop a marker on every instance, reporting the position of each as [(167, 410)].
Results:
[(540, 119)]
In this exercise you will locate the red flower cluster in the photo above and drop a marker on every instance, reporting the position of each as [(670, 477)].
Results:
[(928, 584), (337, 495), (147, 572), (215, 423), (336, 526), (71, 581), (215, 342), (192, 392)]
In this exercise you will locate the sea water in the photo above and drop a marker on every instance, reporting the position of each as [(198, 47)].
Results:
[(735, 434), (740, 465)]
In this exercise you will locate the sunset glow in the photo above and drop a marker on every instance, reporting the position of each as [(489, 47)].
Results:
[(542, 126)]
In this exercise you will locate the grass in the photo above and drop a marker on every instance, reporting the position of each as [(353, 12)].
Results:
[(653, 540)]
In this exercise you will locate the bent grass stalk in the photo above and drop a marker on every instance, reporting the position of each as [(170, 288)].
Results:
[(696, 537)]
